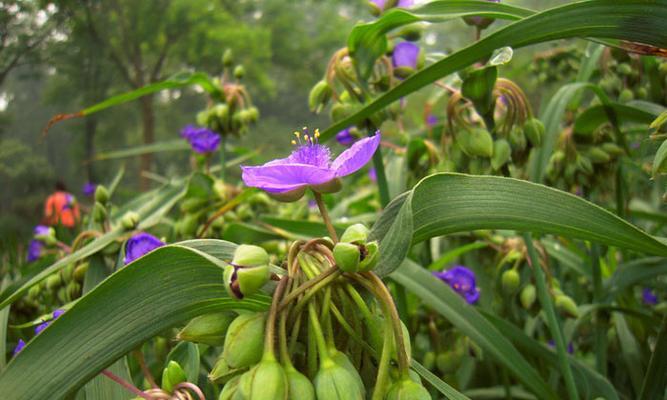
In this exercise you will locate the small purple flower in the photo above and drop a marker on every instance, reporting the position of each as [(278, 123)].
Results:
[(201, 140), (462, 280), (570, 348), (345, 138), (19, 346), (405, 55), (312, 204), (309, 165), (140, 244), (649, 297), (41, 230), (372, 174), (431, 120), (89, 189), (35, 248), (69, 202), (39, 328)]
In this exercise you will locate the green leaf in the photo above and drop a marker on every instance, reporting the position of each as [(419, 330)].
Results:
[(173, 145), (633, 273), (655, 379), (632, 20), (660, 159), (589, 382), (164, 288), (447, 203), (442, 299), (186, 354), (439, 384), (630, 352), (588, 121)]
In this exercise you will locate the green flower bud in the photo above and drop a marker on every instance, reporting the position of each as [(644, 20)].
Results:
[(202, 118), (412, 32), (403, 72), (478, 87), (244, 340), (528, 296), (626, 96), (80, 271), (319, 96), (49, 238), (193, 204), (299, 386), (332, 186), (33, 292), (239, 72), (129, 220), (208, 329), (449, 361), (267, 380), (73, 289), (230, 389), (370, 254), (624, 69), (584, 165), (53, 281), (612, 149), (598, 156), (242, 281), (99, 212), (429, 360), (510, 281), (347, 256), (172, 375), (227, 58), (67, 272), (340, 111), (501, 153), (534, 131), (250, 256), (334, 382), (223, 373), (566, 306), (518, 139), (101, 194), (476, 142), (342, 360), (357, 233), (407, 389)]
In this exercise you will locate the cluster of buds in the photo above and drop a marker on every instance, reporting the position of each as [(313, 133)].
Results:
[(556, 65), (626, 77), (233, 112), (332, 331)]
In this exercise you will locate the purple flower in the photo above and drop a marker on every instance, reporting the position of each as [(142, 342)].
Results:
[(345, 138), (462, 280), (372, 174), (570, 348), (39, 328), (19, 346), (41, 230), (481, 22), (89, 189), (140, 244), (309, 165), (406, 55), (649, 297), (35, 248), (381, 4), (431, 120), (201, 140)]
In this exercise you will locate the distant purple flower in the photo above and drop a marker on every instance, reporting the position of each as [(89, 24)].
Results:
[(69, 202), (312, 204), (19, 346), (372, 174), (89, 189), (310, 165), (345, 138), (39, 328), (201, 140), (431, 120), (35, 248), (406, 55), (140, 244), (570, 348), (462, 280), (381, 4), (649, 297), (482, 22), (41, 230)]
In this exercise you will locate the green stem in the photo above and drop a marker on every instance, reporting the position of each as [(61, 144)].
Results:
[(282, 340), (378, 163), (223, 156), (317, 332), (383, 366), (552, 319), (359, 301), (599, 321), (314, 284), (269, 337), (325, 216)]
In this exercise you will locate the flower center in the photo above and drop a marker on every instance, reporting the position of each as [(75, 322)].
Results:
[(309, 150)]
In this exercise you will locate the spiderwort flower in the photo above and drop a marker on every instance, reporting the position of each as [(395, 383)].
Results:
[(381, 4), (39, 328), (89, 189), (201, 140), (140, 244), (345, 138), (42, 230), (19, 346), (406, 54), (309, 166), (431, 120), (462, 280), (570, 348), (35, 248), (649, 297)]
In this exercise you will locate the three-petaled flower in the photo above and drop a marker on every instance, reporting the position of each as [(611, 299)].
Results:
[(462, 280), (202, 140), (140, 244), (649, 297), (309, 166)]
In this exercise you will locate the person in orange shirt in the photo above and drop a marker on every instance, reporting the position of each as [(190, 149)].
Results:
[(61, 208)]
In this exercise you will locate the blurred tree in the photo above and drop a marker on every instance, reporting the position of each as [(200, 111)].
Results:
[(25, 29)]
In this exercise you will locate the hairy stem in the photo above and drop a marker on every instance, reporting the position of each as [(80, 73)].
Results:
[(325, 216), (127, 385)]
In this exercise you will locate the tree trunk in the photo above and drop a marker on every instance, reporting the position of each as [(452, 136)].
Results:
[(148, 122), (89, 146)]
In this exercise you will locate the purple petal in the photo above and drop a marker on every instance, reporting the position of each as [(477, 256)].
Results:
[(39, 328), (58, 313), (379, 3), (34, 250), (649, 297), (140, 244), (405, 3), (278, 177), (405, 54), (89, 189), (352, 159), (19, 346), (41, 230)]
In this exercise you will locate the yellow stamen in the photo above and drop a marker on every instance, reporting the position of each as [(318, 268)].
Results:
[(294, 142), (306, 138), (297, 133)]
